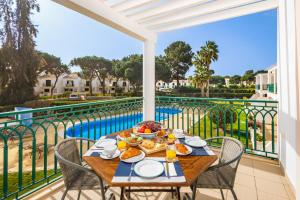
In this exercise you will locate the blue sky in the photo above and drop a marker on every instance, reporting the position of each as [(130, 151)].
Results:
[(247, 42)]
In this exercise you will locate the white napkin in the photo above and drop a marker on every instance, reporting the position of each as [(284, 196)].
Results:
[(172, 170)]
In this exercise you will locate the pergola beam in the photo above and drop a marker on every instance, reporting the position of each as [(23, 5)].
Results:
[(100, 11), (217, 16), (215, 6), (128, 4), (165, 8)]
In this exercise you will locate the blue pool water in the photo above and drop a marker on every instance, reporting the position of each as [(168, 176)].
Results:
[(98, 128)]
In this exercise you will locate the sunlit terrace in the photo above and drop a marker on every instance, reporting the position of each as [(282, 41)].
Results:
[(261, 134)]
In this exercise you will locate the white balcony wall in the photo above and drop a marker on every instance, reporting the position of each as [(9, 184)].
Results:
[(288, 79)]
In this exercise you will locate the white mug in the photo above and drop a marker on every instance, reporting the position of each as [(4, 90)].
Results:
[(109, 150), (178, 131)]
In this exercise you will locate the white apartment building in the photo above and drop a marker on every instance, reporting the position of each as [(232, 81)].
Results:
[(73, 83), (161, 85), (266, 83)]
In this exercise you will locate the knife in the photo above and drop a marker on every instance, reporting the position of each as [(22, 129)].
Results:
[(167, 167), (131, 169)]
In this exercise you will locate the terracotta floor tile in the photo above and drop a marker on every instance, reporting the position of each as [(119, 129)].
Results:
[(289, 192), (267, 171), (243, 193), (266, 196), (270, 187), (245, 180)]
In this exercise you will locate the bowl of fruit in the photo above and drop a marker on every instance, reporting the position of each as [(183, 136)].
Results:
[(148, 129)]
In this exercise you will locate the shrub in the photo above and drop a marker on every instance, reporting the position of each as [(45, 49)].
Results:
[(259, 138), (222, 117)]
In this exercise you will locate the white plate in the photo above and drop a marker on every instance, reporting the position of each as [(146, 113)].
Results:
[(104, 142), (117, 153), (181, 154), (133, 159), (195, 142), (149, 168)]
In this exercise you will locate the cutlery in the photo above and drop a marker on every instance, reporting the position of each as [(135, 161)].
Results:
[(100, 148), (131, 170), (167, 167)]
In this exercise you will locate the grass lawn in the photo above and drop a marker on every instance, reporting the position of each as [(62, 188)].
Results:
[(27, 180), (211, 129)]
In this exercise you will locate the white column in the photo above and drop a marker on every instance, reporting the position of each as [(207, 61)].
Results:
[(288, 92), (297, 11), (149, 80)]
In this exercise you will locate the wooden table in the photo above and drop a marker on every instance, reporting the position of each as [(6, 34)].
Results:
[(192, 167)]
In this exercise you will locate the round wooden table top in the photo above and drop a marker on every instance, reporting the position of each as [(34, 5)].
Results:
[(192, 167)]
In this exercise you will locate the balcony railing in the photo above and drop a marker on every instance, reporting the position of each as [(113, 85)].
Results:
[(254, 122), (27, 138)]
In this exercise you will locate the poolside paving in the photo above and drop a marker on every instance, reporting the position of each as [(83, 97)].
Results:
[(257, 178)]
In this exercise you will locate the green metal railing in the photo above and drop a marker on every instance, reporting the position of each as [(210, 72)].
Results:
[(27, 139), (254, 122)]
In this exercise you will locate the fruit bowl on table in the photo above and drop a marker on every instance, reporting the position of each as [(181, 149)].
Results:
[(148, 129)]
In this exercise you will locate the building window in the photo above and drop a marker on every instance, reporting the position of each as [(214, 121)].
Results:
[(86, 89), (124, 84), (47, 90), (70, 83), (114, 83), (48, 83), (112, 89), (87, 83)]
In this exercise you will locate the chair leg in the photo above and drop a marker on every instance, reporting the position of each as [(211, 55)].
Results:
[(122, 193), (222, 194), (233, 194), (178, 192), (79, 192), (102, 189), (194, 191), (128, 193), (64, 194)]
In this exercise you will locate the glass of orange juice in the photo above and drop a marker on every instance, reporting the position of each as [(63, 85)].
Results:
[(122, 145), (171, 153)]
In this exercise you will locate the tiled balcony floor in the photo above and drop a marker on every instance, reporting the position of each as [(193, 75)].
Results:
[(257, 178)]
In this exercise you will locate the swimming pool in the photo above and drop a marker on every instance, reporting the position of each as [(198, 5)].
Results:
[(98, 128)]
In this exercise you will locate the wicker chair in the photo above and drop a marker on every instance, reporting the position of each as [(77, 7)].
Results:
[(222, 175), (76, 175)]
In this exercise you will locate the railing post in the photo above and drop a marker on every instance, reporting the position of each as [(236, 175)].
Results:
[(149, 80)]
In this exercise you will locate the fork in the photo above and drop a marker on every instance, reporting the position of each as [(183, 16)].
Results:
[(131, 169)]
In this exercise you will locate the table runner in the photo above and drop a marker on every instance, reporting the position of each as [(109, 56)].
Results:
[(123, 171)]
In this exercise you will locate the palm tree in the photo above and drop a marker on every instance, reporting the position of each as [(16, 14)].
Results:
[(203, 59)]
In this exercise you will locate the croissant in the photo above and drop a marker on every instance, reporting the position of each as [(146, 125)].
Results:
[(181, 148), (131, 152)]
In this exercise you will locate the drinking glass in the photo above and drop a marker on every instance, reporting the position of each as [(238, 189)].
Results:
[(171, 153)]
